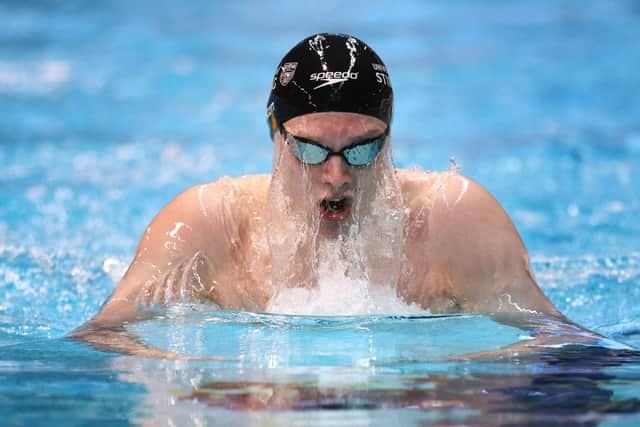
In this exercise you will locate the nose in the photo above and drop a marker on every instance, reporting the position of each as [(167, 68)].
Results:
[(336, 173)]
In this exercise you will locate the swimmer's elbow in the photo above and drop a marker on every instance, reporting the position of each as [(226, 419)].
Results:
[(137, 294), (523, 295)]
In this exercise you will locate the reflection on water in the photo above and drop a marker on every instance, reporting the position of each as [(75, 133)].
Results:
[(557, 396), (570, 386), (366, 363), (289, 370)]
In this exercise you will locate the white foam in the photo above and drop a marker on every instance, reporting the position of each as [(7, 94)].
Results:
[(341, 296)]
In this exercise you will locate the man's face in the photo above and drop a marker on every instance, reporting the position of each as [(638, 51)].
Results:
[(332, 186), (334, 218)]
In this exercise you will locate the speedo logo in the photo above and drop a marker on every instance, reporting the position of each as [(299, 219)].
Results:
[(332, 77)]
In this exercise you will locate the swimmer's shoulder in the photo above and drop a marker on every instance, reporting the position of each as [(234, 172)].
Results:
[(229, 190), (453, 204), (227, 200), (227, 205), (255, 185), (437, 189), (414, 183)]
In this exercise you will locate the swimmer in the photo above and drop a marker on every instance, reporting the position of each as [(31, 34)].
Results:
[(333, 201)]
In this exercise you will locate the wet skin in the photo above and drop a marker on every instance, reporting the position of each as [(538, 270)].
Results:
[(463, 253)]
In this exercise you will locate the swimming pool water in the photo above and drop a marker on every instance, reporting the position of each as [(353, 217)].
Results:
[(111, 109)]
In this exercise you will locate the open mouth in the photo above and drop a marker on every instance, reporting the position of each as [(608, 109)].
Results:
[(335, 209)]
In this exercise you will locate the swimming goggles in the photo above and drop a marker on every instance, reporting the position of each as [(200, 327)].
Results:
[(311, 153)]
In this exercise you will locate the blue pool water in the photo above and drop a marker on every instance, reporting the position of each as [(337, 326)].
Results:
[(109, 109)]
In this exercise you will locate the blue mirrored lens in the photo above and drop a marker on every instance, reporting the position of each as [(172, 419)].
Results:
[(309, 153), (363, 154)]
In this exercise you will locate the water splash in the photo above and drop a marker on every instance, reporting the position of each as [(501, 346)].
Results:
[(344, 268), (337, 295)]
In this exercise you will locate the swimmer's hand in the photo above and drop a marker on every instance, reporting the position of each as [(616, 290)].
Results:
[(119, 340), (546, 332)]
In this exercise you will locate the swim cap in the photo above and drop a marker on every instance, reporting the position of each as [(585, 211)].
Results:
[(329, 72)]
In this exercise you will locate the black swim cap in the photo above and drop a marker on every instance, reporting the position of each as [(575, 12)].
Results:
[(329, 72)]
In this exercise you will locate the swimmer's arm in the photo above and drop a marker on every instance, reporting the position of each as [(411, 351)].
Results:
[(544, 332), (173, 262), (175, 258), (488, 267), (485, 258), (118, 339)]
